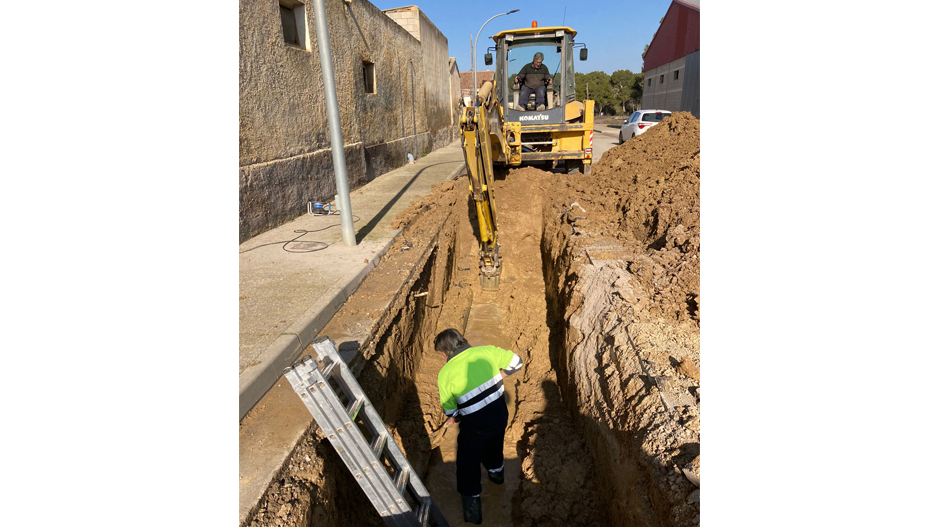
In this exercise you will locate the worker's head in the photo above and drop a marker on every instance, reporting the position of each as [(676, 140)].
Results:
[(449, 342), (537, 59)]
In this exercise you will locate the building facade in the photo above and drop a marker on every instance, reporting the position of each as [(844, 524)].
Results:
[(466, 81), (397, 91), (671, 67)]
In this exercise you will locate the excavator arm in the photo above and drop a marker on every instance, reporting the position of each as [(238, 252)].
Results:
[(482, 130)]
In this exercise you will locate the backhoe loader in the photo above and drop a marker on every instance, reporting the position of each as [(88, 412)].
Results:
[(500, 130)]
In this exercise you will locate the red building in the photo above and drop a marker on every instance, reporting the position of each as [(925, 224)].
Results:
[(671, 70)]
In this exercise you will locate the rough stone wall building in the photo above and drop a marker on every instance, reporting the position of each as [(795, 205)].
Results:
[(396, 96), (671, 66), (437, 72)]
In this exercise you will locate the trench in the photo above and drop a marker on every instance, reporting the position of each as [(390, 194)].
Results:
[(586, 413)]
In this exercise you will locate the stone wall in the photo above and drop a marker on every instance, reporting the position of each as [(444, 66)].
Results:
[(285, 158), (437, 83), (455, 95)]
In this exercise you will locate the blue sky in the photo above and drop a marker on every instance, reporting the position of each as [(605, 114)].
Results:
[(615, 32)]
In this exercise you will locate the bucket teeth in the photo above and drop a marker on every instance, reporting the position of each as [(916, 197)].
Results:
[(489, 281)]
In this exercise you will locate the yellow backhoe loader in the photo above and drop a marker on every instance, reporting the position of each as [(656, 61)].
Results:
[(500, 130)]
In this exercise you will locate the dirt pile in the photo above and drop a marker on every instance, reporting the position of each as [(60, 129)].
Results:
[(646, 195), (623, 245)]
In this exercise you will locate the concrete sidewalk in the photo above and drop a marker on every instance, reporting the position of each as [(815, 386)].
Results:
[(293, 278)]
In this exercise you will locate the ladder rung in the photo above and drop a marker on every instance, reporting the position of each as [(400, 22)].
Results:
[(328, 369), (354, 408), (402, 481), (378, 444), (424, 510)]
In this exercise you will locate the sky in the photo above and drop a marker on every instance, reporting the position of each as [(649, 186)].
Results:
[(615, 32)]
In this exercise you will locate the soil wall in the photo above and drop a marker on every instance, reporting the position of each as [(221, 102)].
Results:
[(623, 249)]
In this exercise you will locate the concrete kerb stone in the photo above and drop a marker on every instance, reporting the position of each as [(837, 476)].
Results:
[(457, 171), (255, 382)]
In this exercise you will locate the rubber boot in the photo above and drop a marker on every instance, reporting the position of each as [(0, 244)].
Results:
[(472, 509), (496, 477)]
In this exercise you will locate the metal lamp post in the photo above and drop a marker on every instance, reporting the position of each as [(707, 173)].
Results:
[(473, 50), (334, 125)]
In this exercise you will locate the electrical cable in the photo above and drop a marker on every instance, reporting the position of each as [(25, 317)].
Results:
[(303, 232)]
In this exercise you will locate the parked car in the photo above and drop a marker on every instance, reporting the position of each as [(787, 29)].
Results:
[(640, 122)]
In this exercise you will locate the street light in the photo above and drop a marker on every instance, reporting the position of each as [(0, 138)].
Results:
[(473, 51)]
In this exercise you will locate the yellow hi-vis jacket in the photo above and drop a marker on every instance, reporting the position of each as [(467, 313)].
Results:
[(471, 379)]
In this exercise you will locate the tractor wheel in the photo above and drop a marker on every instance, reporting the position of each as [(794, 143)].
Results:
[(574, 166)]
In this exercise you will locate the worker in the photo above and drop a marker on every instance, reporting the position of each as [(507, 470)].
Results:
[(534, 76), (471, 388)]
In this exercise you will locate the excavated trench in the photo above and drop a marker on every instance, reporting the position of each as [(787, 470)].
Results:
[(598, 296)]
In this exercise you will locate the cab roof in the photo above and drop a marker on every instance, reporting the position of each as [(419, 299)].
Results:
[(533, 30)]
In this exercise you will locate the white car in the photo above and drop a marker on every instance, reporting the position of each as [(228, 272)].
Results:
[(640, 122)]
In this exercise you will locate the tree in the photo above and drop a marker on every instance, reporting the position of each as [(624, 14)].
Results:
[(621, 82), (636, 91), (595, 86)]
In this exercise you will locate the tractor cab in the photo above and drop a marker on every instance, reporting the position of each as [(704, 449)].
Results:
[(516, 48)]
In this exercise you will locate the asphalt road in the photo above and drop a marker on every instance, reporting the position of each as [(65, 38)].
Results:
[(605, 138)]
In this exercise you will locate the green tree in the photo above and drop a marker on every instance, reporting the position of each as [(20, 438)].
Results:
[(595, 86), (636, 91), (622, 83)]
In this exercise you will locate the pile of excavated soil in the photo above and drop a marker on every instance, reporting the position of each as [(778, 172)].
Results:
[(645, 194), (623, 244)]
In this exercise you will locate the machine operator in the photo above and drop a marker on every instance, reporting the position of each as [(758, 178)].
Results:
[(534, 75)]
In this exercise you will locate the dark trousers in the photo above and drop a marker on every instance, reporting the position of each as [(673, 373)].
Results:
[(475, 447), (525, 91)]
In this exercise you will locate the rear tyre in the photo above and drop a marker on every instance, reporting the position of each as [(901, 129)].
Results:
[(574, 166), (621, 137)]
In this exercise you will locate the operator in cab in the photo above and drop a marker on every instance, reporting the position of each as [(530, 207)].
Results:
[(471, 389), (534, 76)]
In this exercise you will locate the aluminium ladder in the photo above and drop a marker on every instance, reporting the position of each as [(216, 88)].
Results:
[(377, 463)]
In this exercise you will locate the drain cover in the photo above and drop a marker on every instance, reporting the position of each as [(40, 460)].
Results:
[(307, 246)]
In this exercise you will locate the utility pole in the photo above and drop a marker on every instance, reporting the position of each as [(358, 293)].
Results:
[(332, 119), (473, 52)]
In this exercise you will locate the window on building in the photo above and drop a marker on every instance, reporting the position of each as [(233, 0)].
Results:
[(676, 75), (661, 77), (294, 23), (368, 76), (650, 83)]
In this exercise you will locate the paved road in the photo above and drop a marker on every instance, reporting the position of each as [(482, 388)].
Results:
[(605, 138)]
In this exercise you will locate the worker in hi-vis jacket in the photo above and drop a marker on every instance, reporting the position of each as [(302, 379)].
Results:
[(471, 387)]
